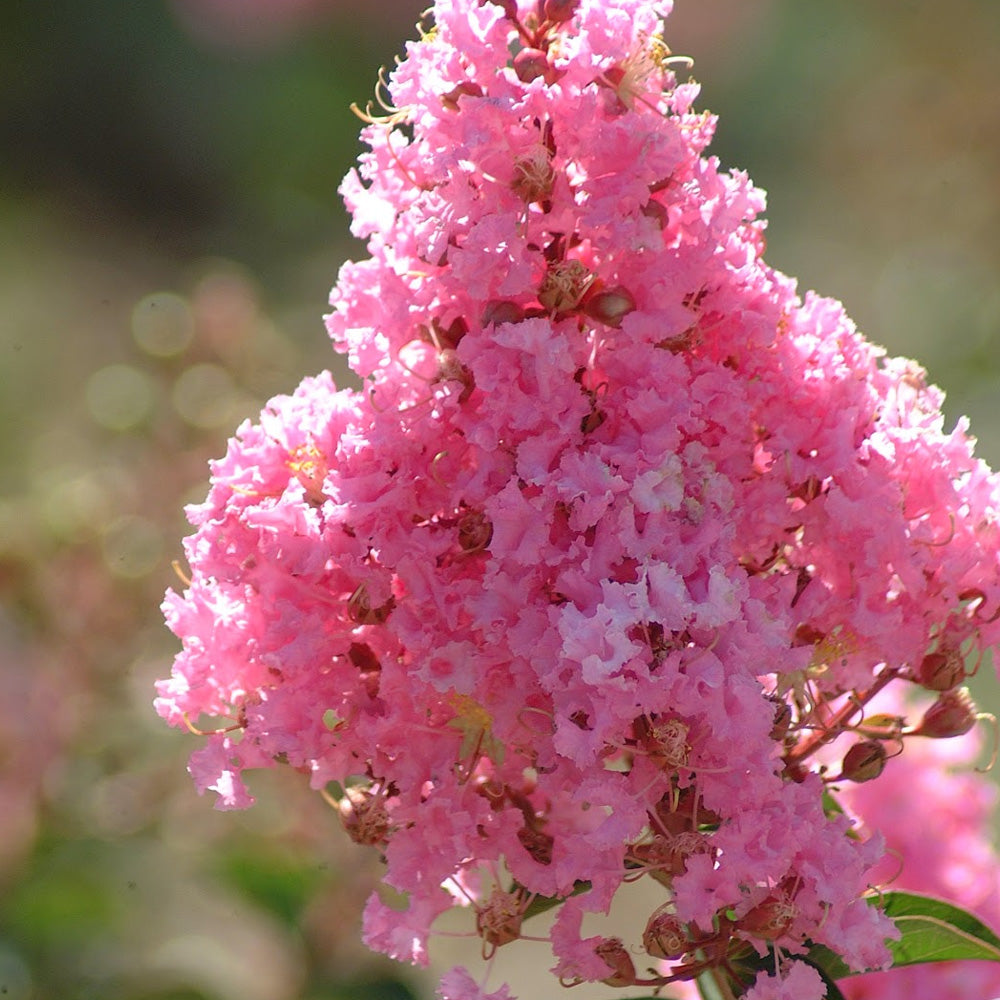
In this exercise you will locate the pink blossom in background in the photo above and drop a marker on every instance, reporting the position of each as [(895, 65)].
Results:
[(939, 817), (618, 534), (38, 714), (457, 984)]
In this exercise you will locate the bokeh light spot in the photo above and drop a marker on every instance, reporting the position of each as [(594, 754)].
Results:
[(163, 324), (72, 502), (132, 547), (204, 395), (119, 397)]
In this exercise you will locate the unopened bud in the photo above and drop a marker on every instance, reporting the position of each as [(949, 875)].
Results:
[(941, 670), (558, 11), (499, 311), (953, 714), (529, 64), (610, 306), (864, 761), (665, 937), (467, 88)]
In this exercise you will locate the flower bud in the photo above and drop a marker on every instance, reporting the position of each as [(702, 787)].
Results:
[(610, 306), (941, 670), (864, 761), (529, 64), (499, 311), (467, 88), (558, 11), (953, 714), (665, 937)]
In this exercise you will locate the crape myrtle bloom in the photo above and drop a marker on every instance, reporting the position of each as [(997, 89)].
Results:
[(620, 532)]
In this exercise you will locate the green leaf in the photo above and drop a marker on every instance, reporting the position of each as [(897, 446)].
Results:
[(932, 930), (828, 962), (831, 807), (936, 931), (539, 904), (708, 988), (274, 881)]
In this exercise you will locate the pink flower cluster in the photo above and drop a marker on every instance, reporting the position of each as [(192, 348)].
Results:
[(620, 532)]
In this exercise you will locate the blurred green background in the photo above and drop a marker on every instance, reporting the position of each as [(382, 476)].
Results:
[(169, 231)]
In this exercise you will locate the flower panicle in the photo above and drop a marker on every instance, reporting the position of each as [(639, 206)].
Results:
[(603, 574)]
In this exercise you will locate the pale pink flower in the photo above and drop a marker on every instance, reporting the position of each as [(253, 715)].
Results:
[(798, 982), (459, 985)]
